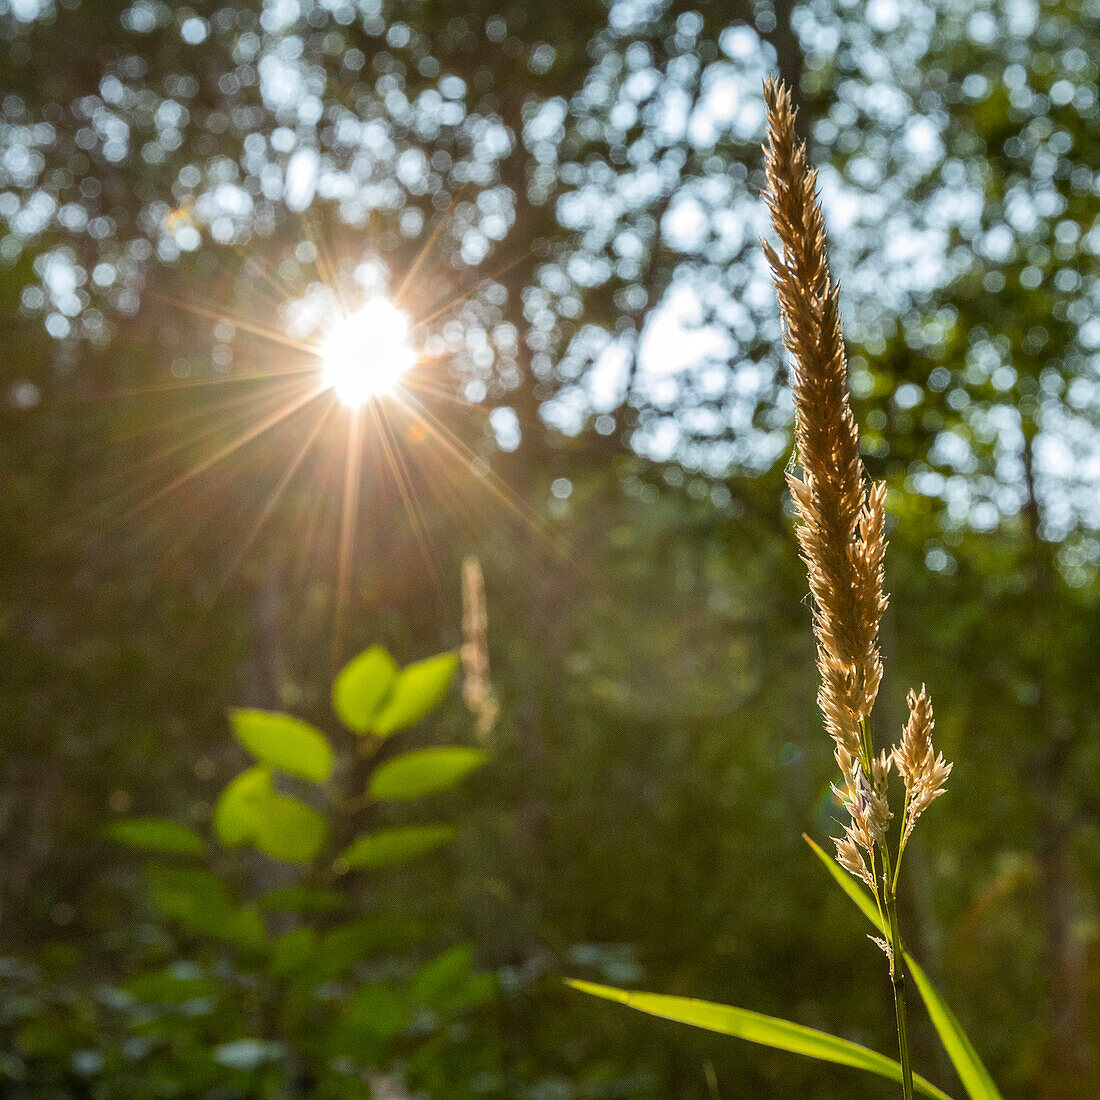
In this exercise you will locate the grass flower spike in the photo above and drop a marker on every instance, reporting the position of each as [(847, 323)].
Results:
[(842, 537), (923, 773), (841, 528), (477, 690), (841, 533)]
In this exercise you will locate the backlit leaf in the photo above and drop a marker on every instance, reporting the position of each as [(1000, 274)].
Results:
[(361, 687), (417, 691), (284, 742), (289, 830), (423, 772), (389, 846), (156, 834), (241, 805), (250, 811), (766, 1030)]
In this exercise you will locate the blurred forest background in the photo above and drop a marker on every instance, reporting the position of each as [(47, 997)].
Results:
[(564, 196)]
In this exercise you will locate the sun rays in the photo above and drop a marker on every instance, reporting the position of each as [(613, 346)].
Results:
[(326, 419)]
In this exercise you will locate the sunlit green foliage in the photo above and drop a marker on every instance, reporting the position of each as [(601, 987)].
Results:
[(765, 1030), (292, 988)]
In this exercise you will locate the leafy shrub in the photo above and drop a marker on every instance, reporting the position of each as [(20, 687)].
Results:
[(268, 976)]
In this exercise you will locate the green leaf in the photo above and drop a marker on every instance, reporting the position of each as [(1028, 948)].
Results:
[(374, 1016), (418, 689), (361, 687), (284, 742), (766, 1030), (185, 893), (241, 805), (341, 947), (442, 975), (423, 772), (390, 846), (200, 901), (448, 983), (243, 926), (292, 952), (371, 935), (251, 812), (377, 1009), (156, 834), (968, 1065), (289, 830)]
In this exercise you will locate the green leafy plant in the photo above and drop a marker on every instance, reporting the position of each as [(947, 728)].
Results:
[(841, 533), (275, 971)]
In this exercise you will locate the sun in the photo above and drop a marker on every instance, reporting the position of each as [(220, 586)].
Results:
[(365, 354)]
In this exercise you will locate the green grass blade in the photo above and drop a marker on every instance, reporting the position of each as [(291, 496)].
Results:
[(755, 1028), (972, 1073)]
